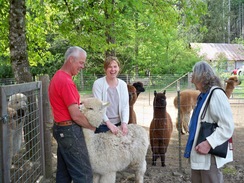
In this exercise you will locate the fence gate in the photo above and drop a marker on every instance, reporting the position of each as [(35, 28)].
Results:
[(21, 133)]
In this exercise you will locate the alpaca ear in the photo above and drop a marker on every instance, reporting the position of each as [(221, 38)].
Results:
[(105, 104), (155, 93), (164, 92), (229, 81)]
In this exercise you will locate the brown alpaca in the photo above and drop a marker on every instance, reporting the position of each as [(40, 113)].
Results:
[(132, 100), (188, 99), (160, 129)]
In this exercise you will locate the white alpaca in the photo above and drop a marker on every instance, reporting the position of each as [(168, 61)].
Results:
[(110, 153), (17, 109)]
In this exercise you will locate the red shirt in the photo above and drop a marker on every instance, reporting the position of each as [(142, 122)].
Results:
[(62, 93)]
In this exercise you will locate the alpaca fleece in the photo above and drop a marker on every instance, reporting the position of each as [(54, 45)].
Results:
[(110, 153)]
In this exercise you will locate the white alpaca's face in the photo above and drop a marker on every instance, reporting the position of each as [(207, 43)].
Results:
[(19, 103), (94, 110)]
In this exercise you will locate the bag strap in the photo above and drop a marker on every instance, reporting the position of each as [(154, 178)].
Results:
[(207, 103)]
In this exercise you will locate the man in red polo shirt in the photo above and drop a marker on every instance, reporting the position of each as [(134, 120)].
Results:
[(73, 160)]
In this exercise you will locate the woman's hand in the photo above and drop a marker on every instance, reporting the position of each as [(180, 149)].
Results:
[(113, 128), (203, 148), (124, 128)]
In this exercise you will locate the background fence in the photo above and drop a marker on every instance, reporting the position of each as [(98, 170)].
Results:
[(36, 160)]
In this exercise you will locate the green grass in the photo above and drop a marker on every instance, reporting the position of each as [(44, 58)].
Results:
[(229, 170)]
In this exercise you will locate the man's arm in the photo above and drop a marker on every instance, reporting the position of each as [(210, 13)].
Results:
[(79, 118)]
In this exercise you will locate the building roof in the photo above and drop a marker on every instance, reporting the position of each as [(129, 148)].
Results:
[(212, 51)]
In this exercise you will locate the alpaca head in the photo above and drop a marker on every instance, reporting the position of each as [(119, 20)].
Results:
[(94, 110), (233, 81), (159, 100), (139, 87), (18, 102)]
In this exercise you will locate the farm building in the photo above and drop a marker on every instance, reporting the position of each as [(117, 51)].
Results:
[(232, 53)]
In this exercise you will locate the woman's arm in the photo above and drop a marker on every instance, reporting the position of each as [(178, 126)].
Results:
[(124, 103), (97, 90), (221, 113)]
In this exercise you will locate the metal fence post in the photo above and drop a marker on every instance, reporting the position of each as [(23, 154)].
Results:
[(179, 124)]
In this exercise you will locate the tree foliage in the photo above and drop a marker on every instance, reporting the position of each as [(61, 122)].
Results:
[(146, 35)]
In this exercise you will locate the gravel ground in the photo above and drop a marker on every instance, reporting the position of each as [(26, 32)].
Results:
[(176, 171)]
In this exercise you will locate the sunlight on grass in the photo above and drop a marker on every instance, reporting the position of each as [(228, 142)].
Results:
[(229, 170)]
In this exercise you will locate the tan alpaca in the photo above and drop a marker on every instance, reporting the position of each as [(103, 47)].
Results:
[(188, 99), (232, 82)]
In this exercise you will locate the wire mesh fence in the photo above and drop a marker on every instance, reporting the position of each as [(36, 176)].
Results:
[(22, 135), (177, 168)]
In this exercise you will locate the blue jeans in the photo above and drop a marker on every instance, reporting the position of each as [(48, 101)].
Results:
[(73, 162)]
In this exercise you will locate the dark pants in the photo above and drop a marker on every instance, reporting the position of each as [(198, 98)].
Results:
[(73, 162), (104, 128)]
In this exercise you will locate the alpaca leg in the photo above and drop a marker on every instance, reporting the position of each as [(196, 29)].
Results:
[(177, 124), (183, 131), (186, 121), (108, 178), (181, 120), (163, 159), (140, 172), (154, 159)]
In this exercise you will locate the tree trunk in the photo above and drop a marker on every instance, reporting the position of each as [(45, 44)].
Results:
[(17, 39), (110, 38), (21, 69)]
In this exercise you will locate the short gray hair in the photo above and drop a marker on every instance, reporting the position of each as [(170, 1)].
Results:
[(73, 51), (204, 74)]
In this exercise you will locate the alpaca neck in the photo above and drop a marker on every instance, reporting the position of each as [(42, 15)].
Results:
[(88, 134), (159, 112), (229, 87)]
